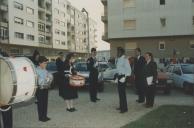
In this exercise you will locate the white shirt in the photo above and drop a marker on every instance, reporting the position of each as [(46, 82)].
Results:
[(123, 66), (138, 57)]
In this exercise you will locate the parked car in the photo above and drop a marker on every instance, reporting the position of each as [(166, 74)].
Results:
[(81, 68), (109, 71), (52, 68), (164, 82), (182, 76)]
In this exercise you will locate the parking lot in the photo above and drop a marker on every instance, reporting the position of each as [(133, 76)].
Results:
[(102, 114)]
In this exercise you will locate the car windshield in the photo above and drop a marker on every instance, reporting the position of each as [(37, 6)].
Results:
[(187, 69), (81, 67), (51, 66)]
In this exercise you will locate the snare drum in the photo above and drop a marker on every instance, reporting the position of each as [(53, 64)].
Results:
[(18, 80), (77, 81)]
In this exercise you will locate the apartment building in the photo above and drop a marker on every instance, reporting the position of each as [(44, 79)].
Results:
[(93, 34), (47, 25), (160, 26)]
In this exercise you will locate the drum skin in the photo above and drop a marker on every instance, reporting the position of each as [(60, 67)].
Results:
[(18, 80), (77, 81)]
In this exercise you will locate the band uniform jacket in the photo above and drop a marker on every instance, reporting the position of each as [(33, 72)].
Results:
[(93, 69), (151, 70)]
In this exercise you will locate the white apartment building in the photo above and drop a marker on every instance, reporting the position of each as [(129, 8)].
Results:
[(49, 26), (59, 18), (159, 26), (93, 35)]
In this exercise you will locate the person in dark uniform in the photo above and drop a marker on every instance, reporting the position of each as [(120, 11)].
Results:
[(139, 78), (69, 93), (44, 81), (93, 75), (60, 72), (150, 72), (35, 57), (123, 72), (6, 114)]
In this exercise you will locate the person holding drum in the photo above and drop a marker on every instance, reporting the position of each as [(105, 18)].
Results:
[(69, 93), (44, 81), (92, 66), (6, 116)]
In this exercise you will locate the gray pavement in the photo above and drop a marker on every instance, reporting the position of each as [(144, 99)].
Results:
[(102, 114)]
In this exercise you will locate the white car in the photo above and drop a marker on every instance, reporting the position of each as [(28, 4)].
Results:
[(109, 72), (182, 76)]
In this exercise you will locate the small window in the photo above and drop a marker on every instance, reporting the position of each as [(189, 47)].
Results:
[(192, 44), (41, 27), (57, 31), (19, 35), (161, 45), (163, 22), (30, 24), (162, 2), (128, 3), (193, 20), (18, 5), (129, 24), (63, 42), (30, 10), (41, 39), (19, 20), (63, 33), (57, 21), (63, 24), (30, 37)]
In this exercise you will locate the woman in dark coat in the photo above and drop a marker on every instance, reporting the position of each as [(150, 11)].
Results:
[(67, 92), (150, 70)]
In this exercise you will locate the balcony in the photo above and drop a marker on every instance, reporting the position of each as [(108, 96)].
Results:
[(104, 18), (104, 2), (3, 23), (3, 7)]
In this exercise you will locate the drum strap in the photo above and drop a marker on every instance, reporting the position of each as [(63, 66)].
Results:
[(1, 120)]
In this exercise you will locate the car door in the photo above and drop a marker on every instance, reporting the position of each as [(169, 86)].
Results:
[(177, 76), (107, 74)]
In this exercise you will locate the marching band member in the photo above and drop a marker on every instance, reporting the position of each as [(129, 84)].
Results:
[(44, 81)]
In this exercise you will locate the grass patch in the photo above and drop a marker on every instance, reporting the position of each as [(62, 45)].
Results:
[(168, 116)]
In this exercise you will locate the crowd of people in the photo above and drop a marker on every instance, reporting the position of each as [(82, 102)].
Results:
[(144, 70)]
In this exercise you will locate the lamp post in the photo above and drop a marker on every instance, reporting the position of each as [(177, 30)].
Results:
[(84, 10)]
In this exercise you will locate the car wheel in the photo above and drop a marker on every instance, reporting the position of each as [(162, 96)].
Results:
[(188, 89)]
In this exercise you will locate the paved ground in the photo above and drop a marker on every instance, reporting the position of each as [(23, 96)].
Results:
[(92, 115)]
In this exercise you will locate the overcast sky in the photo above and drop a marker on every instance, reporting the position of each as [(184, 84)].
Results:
[(95, 9)]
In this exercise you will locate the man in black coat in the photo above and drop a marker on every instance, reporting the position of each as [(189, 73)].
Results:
[(92, 66), (139, 78)]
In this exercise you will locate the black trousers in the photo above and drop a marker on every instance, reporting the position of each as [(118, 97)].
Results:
[(122, 96), (150, 95), (141, 89), (93, 91), (7, 118), (42, 97)]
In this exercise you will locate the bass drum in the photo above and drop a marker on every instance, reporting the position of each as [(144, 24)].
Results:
[(18, 80)]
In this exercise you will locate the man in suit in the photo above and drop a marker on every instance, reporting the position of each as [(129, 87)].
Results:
[(123, 71), (150, 71), (92, 66), (139, 78)]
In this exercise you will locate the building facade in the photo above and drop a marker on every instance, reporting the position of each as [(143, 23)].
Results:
[(159, 26), (49, 26)]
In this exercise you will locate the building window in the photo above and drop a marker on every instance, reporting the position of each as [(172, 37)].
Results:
[(193, 20), (3, 33), (19, 35), (30, 37), (161, 45), (63, 24), (57, 41), (163, 22), (192, 44), (41, 39), (62, 33), (18, 5), (57, 31), (30, 24), (63, 42), (30, 10), (129, 24), (41, 27), (18, 20), (57, 21), (129, 3), (162, 2), (56, 11)]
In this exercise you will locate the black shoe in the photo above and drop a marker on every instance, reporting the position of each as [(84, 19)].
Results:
[(123, 111), (93, 100), (73, 109), (69, 110), (47, 118)]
